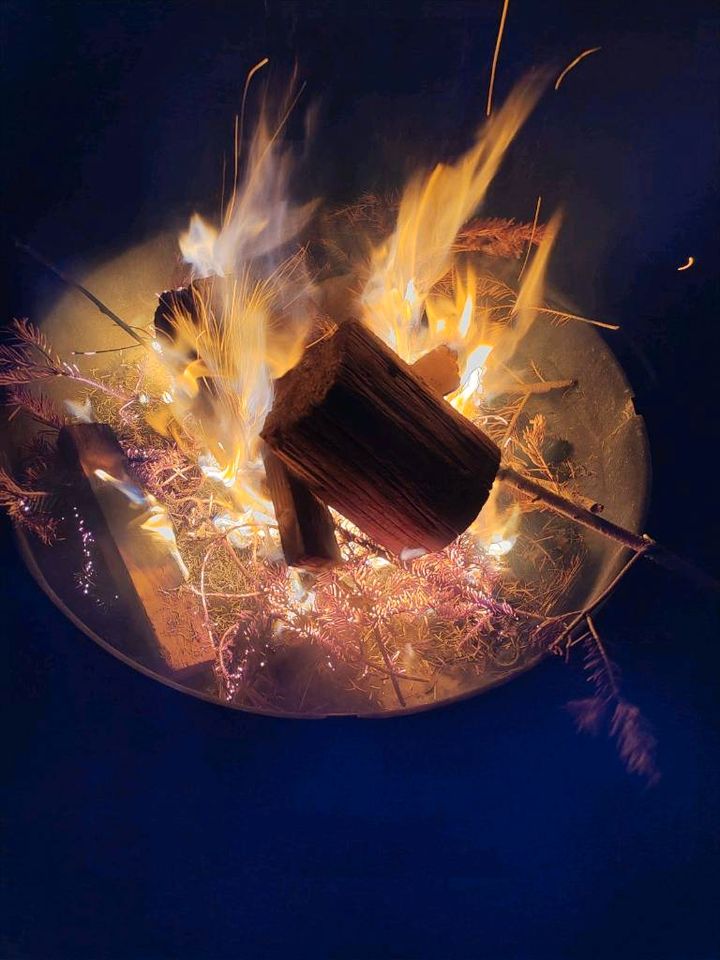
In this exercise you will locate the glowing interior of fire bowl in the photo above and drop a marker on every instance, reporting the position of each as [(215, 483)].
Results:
[(377, 636)]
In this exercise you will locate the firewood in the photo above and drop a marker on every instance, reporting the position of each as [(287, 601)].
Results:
[(439, 369), (307, 531), (370, 439), (143, 561)]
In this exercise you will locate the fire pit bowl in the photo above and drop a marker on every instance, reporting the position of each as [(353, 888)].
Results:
[(595, 423)]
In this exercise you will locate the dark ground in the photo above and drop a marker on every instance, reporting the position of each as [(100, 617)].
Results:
[(144, 824)]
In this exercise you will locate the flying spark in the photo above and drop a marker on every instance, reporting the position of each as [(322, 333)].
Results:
[(574, 63)]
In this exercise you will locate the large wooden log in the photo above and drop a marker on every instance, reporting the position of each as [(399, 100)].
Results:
[(370, 439), (307, 531), (138, 547)]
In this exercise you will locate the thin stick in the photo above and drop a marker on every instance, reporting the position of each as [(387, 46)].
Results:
[(388, 664), (532, 236), (540, 386), (595, 603), (575, 316), (103, 308), (641, 544), (496, 54), (513, 422)]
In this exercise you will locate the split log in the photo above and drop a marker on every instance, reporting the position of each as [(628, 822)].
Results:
[(439, 369), (369, 438), (132, 532), (307, 531)]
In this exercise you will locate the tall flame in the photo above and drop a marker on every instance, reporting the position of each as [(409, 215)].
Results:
[(433, 209), (250, 324)]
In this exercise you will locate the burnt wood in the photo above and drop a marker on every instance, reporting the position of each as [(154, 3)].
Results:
[(307, 531), (369, 438), (146, 570)]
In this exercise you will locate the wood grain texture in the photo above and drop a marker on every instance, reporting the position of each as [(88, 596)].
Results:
[(145, 567), (307, 531), (370, 439)]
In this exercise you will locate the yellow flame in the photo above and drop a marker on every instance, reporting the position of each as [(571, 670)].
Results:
[(419, 253), (154, 519), (498, 525), (248, 325)]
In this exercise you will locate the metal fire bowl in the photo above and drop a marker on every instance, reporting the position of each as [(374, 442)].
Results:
[(607, 436)]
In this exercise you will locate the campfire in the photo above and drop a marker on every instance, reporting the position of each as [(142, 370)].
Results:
[(350, 461)]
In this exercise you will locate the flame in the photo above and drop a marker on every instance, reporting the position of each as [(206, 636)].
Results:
[(498, 525), (419, 293), (433, 208), (253, 306), (153, 520), (249, 325)]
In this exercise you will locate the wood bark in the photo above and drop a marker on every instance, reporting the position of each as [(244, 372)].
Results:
[(146, 567), (370, 439)]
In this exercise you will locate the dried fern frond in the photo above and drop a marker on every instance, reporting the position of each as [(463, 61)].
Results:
[(36, 404), (497, 237), (635, 741), (32, 336), (636, 744), (588, 714), (27, 507)]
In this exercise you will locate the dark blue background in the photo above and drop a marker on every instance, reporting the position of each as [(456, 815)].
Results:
[(144, 824)]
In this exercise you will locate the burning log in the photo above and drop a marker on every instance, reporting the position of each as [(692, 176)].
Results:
[(138, 545), (307, 531), (369, 438), (439, 369)]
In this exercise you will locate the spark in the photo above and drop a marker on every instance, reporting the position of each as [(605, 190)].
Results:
[(574, 63), (532, 235), (496, 54), (686, 266)]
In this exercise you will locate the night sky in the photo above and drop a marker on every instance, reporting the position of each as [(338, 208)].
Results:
[(141, 823)]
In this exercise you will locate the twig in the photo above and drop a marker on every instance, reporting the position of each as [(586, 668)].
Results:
[(641, 544), (103, 308), (388, 664), (540, 386), (513, 421), (555, 645)]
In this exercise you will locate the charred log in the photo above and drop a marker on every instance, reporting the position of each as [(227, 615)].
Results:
[(369, 438), (145, 566)]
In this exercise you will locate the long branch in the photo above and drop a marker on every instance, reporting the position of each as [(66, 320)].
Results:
[(639, 543), (102, 307)]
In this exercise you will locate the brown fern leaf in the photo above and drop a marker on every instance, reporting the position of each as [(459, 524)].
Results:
[(498, 237), (27, 333), (37, 405), (636, 743), (26, 507), (588, 714)]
